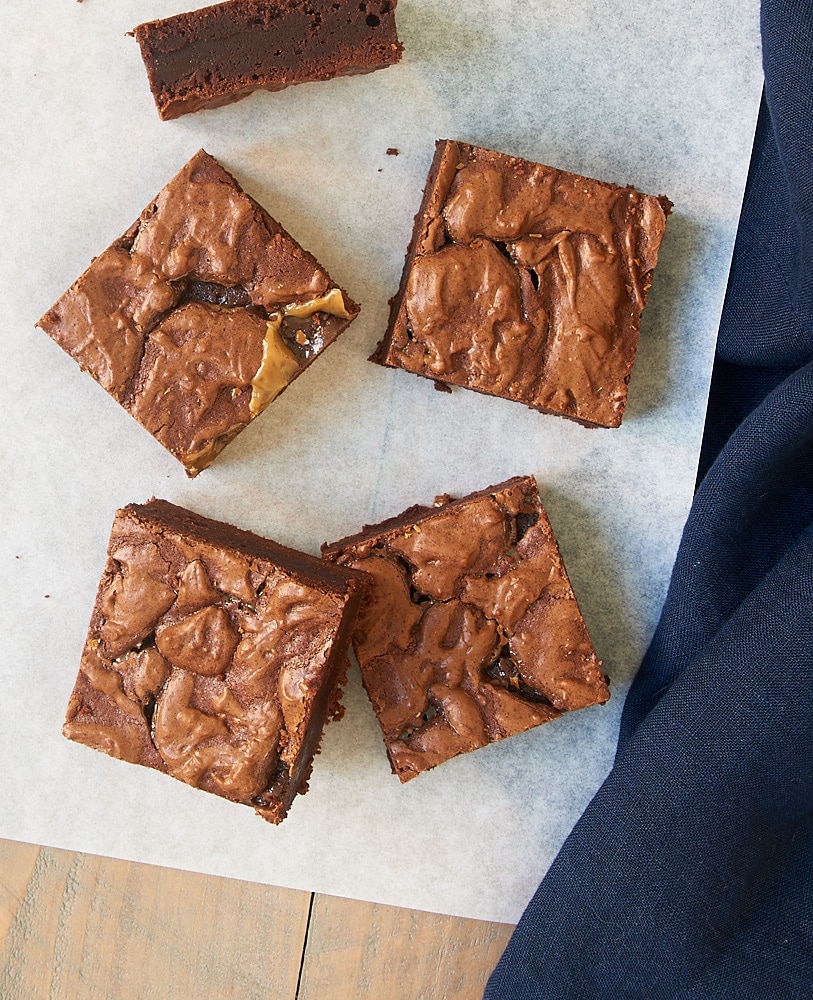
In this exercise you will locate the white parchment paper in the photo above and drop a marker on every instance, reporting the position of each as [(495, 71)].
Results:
[(661, 94)]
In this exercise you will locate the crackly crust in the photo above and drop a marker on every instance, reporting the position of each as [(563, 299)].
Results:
[(470, 631), (525, 282), (213, 655), (200, 314)]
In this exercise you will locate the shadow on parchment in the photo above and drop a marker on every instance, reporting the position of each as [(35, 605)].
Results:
[(665, 316)]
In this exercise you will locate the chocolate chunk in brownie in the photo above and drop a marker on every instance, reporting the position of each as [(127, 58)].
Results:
[(200, 315), (216, 55), (470, 630), (213, 655), (526, 282)]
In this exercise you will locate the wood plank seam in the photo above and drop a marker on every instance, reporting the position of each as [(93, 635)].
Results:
[(304, 946)]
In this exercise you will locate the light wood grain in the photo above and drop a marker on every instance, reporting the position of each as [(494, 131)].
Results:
[(17, 862), (77, 926), (364, 950)]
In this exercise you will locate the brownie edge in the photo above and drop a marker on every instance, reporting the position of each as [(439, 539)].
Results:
[(469, 631), (221, 53), (213, 655)]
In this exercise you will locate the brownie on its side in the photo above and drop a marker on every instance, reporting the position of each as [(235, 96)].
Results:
[(213, 655), (525, 282), (470, 631), (200, 315), (216, 55)]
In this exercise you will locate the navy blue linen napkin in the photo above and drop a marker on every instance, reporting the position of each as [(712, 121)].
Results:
[(690, 874)]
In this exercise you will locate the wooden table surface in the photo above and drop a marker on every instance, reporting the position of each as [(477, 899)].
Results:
[(76, 926)]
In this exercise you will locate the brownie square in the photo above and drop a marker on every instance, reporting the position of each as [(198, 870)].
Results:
[(525, 282), (470, 630), (213, 655), (216, 55), (200, 315)]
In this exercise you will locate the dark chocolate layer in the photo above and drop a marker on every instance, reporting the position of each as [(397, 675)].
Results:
[(526, 282), (221, 53), (470, 630)]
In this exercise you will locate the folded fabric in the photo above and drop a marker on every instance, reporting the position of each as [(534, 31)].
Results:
[(690, 874)]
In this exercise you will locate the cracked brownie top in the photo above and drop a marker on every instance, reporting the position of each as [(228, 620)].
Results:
[(526, 282), (200, 315), (213, 655), (470, 630)]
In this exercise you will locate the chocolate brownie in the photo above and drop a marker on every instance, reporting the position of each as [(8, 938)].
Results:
[(214, 56), (213, 655), (200, 315), (525, 282), (470, 630)]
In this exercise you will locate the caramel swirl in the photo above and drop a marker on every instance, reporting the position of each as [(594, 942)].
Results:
[(180, 319)]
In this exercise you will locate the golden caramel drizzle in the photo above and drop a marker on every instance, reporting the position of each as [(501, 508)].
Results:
[(279, 364), (331, 302), (276, 370)]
